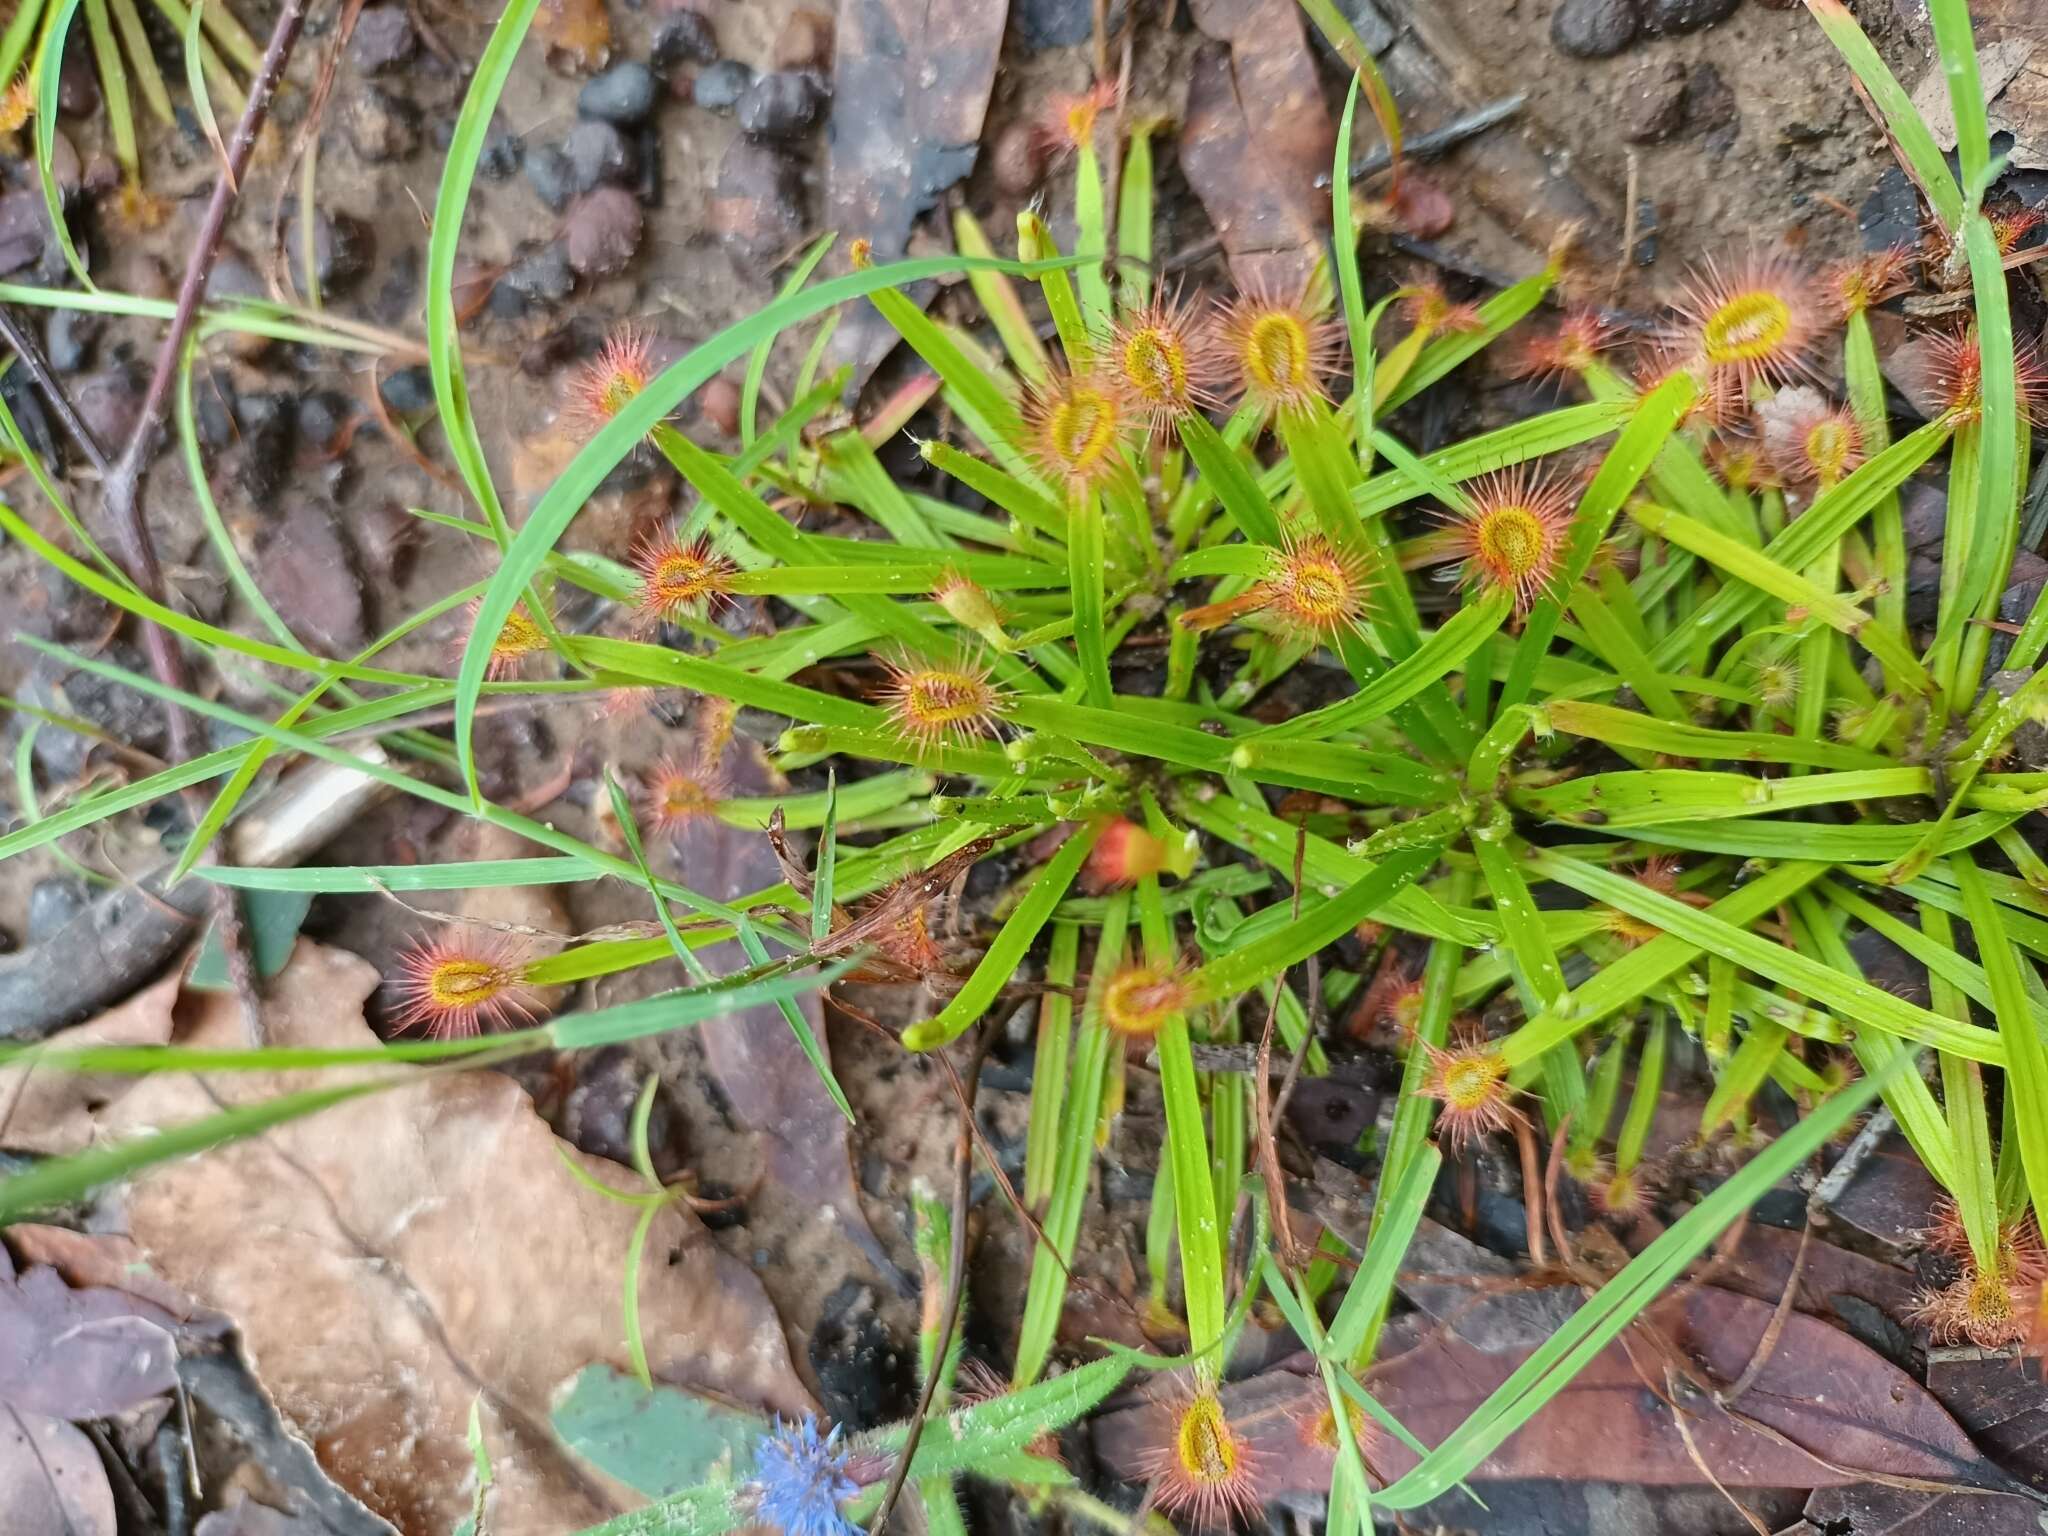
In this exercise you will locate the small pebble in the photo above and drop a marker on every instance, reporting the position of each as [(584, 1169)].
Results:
[(502, 152), (597, 153), (321, 417), (757, 203), (383, 39), (624, 94), (1594, 29), (718, 405), (1710, 107), (1670, 16), (27, 239), (550, 175), (109, 403), (688, 37), (409, 390), (540, 279), (602, 231), (1653, 102), (778, 106), (719, 88), (70, 337), (308, 572), (78, 86), (342, 248), (265, 427), (805, 41), (1018, 159), (381, 127)]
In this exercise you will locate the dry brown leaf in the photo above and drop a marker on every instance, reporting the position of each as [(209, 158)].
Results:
[(578, 33), (48, 1112), (51, 1480), (2015, 74), (1257, 136), (398, 1256)]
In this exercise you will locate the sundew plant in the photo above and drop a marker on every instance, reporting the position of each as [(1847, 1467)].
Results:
[(1609, 726)]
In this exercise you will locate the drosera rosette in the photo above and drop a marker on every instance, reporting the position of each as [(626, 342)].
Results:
[(934, 703), (1469, 1081), (678, 577), (1276, 352), (1166, 357), (1942, 375), (1433, 312), (1983, 1307), (1757, 321), (1125, 853), (678, 791), (1861, 283), (1567, 350), (1069, 121), (1659, 873), (521, 639), (1313, 590), (1075, 424), (1207, 1470), (602, 387), (1810, 440), (17, 103), (459, 987), (1141, 995), (1513, 533)]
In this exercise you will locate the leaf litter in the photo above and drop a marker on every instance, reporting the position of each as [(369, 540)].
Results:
[(366, 1258)]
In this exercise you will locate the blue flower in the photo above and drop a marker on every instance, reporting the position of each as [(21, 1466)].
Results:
[(802, 1480)]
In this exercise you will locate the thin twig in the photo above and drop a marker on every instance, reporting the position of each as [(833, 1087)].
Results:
[(956, 1270), (24, 346)]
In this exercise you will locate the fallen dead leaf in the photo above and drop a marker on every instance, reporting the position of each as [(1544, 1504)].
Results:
[(1256, 137), (763, 1071), (51, 1480), (49, 1112), (910, 85), (79, 1354), (2015, 74), (1819, 1389), (394, 1258), (577, 33)]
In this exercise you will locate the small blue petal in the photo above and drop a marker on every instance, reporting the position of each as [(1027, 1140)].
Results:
[(802, 1480)]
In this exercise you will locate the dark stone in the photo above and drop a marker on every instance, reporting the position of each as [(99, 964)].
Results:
[(122, 712), (548, 173), (503, 152), (540, 279), (1672, 16), (342, 248), (52, 903), (308, 572), (409, 390), (1042, 24), (1653, 102), (1890, 217), (1594, 29), (266, 425), (65, 169), (213, 408), (597, 154), (688, 37), (624, 94), (1645, 253), (554, 350), (383, 40), (719, 88), (28, 242), (323, 415), (757, 203), (597, 1114), (381, 127), (778, 106), (863, 1378), (78, 84), (109, 403), (70, 337), (1710, 108), (602, 231)]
